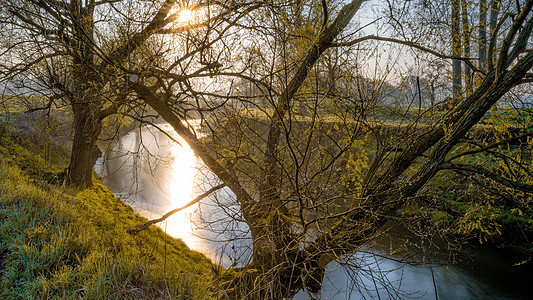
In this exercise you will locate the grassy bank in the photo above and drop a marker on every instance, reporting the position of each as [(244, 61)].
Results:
[(58, 242)]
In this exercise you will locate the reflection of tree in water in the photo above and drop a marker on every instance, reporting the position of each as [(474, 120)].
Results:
[(138, 167)]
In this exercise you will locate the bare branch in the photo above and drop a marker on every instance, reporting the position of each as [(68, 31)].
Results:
[(170, 213), (488, 147), (325, 12), (493, 41), (521, 41), (489, 174), (502, 62), (197, 146), (409, 44), (157, 22)]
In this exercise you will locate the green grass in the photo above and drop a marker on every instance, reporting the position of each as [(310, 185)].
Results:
[(65, 243)]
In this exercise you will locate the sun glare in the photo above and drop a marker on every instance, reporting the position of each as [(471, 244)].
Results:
[(185, 16)]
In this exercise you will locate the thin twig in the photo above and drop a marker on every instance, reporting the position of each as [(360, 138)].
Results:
[(170, 213)]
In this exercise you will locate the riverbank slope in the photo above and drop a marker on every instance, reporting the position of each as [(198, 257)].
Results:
[(58, 242)]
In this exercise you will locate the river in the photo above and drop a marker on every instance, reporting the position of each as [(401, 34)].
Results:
[(154, 175)]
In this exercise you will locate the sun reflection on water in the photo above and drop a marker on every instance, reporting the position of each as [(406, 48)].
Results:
[(180, 190), (155, 175)]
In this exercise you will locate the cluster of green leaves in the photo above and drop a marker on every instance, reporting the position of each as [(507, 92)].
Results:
[(58, 242), (466, 206), (466, 211)]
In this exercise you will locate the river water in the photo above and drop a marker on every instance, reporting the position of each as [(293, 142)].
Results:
[(154, 174)]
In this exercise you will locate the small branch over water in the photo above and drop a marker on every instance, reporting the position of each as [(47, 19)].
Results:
[(170, 213)]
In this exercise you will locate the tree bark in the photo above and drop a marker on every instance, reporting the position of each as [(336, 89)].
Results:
[(85, 152), (466, 42), (85, 98), (483, 35), (456, 52), (493, 23)]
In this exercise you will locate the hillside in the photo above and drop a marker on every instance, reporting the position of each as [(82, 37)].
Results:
[(58, 242)]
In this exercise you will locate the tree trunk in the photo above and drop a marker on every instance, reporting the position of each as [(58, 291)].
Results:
[(466, 40), (493, 23), (85, 152), (483, 35), (456, 52), (85, 98), (88, 80)]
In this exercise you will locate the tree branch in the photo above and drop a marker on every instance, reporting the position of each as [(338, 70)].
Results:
[(488, 147), (521, 41), (409, 44), (281, 108), (482, 171), (503, 62), (170, 213), (123, 51), (325, 12), (493, 41), (197, 146)]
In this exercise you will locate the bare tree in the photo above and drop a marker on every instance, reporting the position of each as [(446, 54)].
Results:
[(74, 51), (307, 188)]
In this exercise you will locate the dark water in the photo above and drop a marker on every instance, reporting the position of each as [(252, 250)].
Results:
[(155, 175)]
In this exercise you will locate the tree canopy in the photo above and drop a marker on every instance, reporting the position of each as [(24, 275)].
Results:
[(316, 173), (319, 157)]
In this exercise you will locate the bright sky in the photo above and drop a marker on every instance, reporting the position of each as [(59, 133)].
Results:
[(186, 15)]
